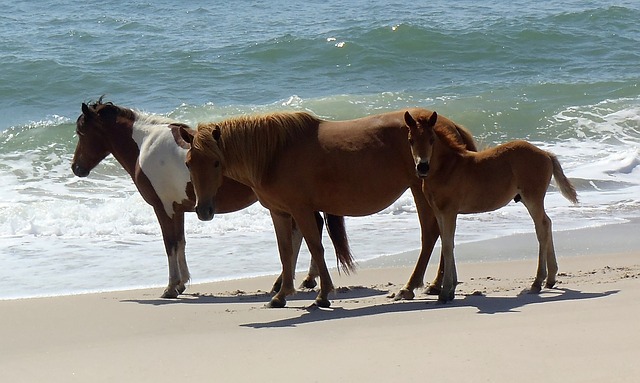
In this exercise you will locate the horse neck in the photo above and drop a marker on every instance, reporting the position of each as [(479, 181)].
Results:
[(122, 145), (445, 155), (248, 164), (236, 165)]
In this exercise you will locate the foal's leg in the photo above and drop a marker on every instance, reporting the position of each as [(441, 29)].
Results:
[(282, 224), (174, 243), (429, 233), (543, 233), (447, 223)]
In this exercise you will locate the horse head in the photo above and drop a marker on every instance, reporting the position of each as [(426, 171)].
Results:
[(421, 140), (92, 143), (205, 163)]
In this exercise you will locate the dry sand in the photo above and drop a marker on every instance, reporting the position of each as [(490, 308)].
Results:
[(585, 330)]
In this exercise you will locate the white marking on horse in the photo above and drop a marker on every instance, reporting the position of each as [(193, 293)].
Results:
[(161, 159)]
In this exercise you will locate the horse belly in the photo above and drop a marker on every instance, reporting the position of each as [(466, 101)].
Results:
[(340, 190), (489, 193), (482, 206)]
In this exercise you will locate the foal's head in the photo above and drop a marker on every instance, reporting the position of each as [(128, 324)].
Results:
[(204, 161), (91, 128), (421, 140)]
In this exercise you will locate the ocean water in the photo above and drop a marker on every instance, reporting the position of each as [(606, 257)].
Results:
[(561, 74)]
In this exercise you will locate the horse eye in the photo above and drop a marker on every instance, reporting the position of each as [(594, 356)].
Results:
[(216, 164)]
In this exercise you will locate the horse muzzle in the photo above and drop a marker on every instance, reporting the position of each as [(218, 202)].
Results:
[(422, 169), (79, 171), (205, 212)]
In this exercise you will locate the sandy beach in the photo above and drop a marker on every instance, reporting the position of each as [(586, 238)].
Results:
[(584, 330)]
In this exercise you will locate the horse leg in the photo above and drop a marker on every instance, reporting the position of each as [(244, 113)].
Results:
[(552, 262), (309, 228), (282, 224), (178, 224), (310, 281), (542, 225), (429, 233), (174, 243), (436, 286), (447, 223), (296, 239)]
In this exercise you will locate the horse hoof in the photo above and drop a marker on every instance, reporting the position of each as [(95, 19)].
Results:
[(309, 284), (181, 289), (550, 284), (433, 290), (276, 304), (446, 297), (170, 293), (536, 288), (404, 294), (323, 302)]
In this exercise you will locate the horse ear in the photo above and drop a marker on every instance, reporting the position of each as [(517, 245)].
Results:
[(89, 113), (186, 135), (215, 132), (433, 119), (408, 119)]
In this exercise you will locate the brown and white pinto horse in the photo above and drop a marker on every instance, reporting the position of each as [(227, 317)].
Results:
[(457, 181), (151, 150), (298, 164)]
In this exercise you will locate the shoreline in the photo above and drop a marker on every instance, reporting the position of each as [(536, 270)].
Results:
[(514, 247), (584, 329)]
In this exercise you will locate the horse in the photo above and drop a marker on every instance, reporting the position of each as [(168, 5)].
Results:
[(297, 163), (458, 181), (151, 150)]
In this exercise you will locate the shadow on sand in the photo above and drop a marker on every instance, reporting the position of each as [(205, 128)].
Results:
[(484, 305), (351, 292)]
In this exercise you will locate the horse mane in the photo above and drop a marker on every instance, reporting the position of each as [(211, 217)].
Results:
[(131, 114), (249, 144), (467, 138), (452, 140)]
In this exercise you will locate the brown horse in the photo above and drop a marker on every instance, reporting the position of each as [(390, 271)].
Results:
[(297, 164), (456, 181), (150, 149)]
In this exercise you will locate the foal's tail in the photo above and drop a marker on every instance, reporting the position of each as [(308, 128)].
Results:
[(566, 188), (338, 235)]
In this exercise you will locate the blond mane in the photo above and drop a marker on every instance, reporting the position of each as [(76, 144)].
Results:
[(249, 144)]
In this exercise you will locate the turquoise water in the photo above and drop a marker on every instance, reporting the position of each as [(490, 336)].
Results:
[(563, 75)]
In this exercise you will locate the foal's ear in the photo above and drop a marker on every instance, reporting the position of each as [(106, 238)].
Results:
[(408, 119), (186, 135), (85, 108), (215, 133), (433, 119)]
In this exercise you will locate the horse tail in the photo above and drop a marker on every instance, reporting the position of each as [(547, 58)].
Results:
[(338, 235), (566, 188)]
